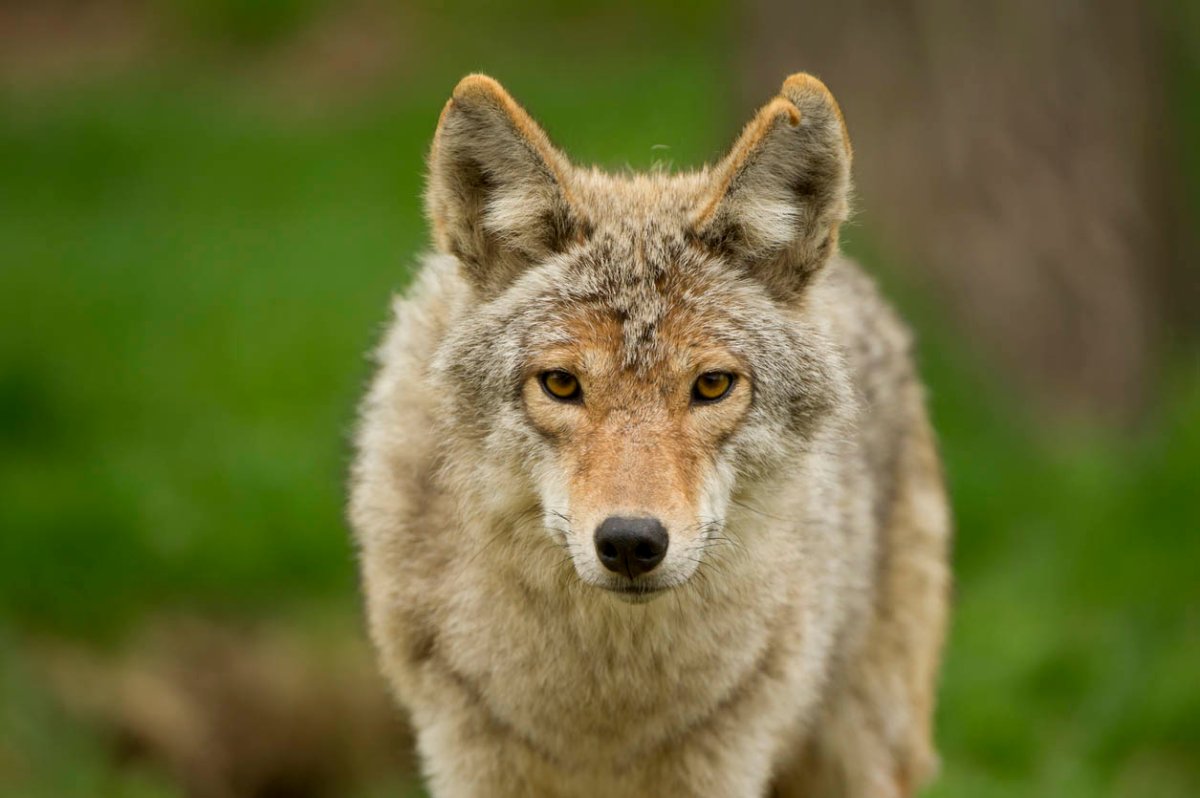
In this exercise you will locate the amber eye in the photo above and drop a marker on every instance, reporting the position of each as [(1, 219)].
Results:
[(561, 385), (712, 386)]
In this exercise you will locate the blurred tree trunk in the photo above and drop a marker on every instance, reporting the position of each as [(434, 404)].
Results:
[(1017, 152)]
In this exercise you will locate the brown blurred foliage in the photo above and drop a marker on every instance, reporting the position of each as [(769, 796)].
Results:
[(224, 709), (1021, 156)]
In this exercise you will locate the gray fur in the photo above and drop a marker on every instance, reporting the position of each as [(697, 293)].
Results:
[(796, 647)]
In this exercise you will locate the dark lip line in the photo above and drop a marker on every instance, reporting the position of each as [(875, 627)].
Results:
[(633, 590)]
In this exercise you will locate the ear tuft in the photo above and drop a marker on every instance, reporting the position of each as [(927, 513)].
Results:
[(800, 86), (777, 199), (811, 95), (477, 86), (498, 194)]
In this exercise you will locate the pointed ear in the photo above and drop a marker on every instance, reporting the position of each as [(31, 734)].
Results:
[(497, 195), (777, 199)]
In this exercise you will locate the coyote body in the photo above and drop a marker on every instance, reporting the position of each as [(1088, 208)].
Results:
[(645, 493)]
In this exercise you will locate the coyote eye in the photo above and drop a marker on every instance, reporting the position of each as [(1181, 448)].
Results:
[(561, 385), (712, 386)]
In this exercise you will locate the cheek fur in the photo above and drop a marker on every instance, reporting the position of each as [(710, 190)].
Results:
[(552, 420), (710, 426), (551, 485), (716, 492)]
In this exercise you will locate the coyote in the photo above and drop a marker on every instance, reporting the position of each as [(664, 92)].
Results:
[(645, 494)]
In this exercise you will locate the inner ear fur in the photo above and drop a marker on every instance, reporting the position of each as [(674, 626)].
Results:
[(778, 197), (498, 196)]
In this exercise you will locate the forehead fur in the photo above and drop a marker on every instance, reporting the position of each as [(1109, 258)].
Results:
[(639, 267), (639, 202)]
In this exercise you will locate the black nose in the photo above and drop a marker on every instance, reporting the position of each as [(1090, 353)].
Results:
[(631, 546)]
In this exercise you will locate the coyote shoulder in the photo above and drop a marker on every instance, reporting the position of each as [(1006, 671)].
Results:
[(645, 493)]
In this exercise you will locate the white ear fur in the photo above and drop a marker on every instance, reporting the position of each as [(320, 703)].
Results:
[(497, 194), (778, 197)]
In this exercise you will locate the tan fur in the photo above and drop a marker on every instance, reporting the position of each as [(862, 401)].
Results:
[(773, 113), (793, 644)]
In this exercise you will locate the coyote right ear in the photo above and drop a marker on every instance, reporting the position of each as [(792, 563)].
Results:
[(778, 197), (497, 194)]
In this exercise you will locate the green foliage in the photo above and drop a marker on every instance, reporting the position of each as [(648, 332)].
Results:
[(242, 23), (1073, 638)]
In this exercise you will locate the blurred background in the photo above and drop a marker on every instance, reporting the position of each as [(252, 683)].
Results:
[(205, 205)]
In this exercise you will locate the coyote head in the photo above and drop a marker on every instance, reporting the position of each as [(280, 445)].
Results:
[(638, 348)]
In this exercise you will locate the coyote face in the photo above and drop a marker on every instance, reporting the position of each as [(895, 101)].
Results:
[(632, 454), (637, 348)]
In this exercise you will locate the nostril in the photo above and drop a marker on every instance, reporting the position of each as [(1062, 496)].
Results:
[(631, 546)]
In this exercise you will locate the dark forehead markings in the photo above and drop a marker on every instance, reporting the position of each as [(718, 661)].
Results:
[(635, 276)]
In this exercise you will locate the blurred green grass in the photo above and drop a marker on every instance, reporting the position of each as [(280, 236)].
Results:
[(188, 284)]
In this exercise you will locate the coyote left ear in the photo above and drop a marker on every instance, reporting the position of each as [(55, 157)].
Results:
[(497, 194), (780, 194)]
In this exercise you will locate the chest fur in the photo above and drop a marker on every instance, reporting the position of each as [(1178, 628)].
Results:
[(575, 671)]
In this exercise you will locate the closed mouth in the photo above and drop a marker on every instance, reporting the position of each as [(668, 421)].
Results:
[(636, 593)]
